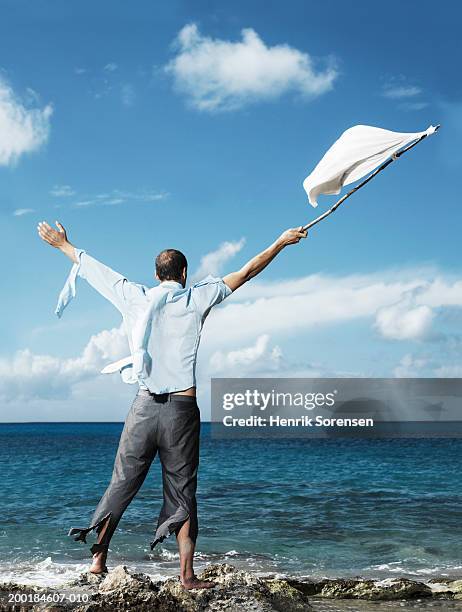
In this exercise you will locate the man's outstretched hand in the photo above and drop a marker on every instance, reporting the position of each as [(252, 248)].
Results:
[(56, 238), (292, 236)]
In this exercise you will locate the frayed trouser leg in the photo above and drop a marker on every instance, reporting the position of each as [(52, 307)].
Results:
[(179, 454), (136, 451)]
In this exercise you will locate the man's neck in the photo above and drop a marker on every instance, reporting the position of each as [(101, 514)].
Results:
[(171, 283)]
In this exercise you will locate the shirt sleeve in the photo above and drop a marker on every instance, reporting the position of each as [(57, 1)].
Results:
[(209, 292), (110, 284)]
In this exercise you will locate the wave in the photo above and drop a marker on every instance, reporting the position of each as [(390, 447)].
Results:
[(412, 571), (43, 572), (164, 564)]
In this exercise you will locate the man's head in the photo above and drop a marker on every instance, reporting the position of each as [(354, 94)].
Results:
[(171, 265)]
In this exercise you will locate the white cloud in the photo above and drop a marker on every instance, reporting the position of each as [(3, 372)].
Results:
[(247, 360), (440, 291), (398, 92), (114, 201), (401, 305), (449, 371), (19, 212), (62, 191), (213, 262), (224, 75), (110, 67), (406, 319), (23, 129), (30, 376), (116, 197), (413, 106), (84, 203), (288, 308), (410, 367)]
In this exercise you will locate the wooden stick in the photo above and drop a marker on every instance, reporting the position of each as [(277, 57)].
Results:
[(369, 178)]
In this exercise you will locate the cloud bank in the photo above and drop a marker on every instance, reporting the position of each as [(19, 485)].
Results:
[(242, 336), (29, 376)]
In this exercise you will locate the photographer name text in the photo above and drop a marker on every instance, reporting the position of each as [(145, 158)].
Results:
[(302, 421)]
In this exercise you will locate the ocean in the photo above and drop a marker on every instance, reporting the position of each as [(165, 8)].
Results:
[(306, 507)]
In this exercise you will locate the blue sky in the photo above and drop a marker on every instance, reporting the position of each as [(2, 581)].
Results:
[(168, 126)]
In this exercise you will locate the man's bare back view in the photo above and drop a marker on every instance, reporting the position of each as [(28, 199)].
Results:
[(163, 326)]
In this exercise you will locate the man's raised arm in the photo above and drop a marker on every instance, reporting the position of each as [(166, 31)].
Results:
[(110, 284), (260, 261)]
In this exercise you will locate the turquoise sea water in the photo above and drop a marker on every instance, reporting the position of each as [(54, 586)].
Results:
[(332, 507)]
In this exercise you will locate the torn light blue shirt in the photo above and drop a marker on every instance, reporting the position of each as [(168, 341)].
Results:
[(163, 323)]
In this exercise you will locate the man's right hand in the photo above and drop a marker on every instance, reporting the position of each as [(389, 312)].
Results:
[(56, 238), (292, 236)]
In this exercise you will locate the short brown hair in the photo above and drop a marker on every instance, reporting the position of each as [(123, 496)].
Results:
[(170, 265)]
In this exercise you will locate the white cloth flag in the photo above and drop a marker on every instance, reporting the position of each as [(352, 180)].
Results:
[(357, 152)]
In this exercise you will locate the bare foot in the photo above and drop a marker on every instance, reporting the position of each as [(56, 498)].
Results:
[(195, 583), (99, 563)]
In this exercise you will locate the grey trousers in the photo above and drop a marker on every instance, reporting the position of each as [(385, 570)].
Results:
[(164, 424)]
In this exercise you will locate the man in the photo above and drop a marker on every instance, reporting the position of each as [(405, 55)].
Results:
[(163, 326)]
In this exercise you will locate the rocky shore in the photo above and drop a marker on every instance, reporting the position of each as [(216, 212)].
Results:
[(235, 591)]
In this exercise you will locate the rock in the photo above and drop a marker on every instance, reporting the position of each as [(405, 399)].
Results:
[(285, 596), (307, 587), (439, 588), (121, 578), (384, 590), (235, 590), (455, 586), (12, 587), (446, 588), (87, 579), (122, 590)]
